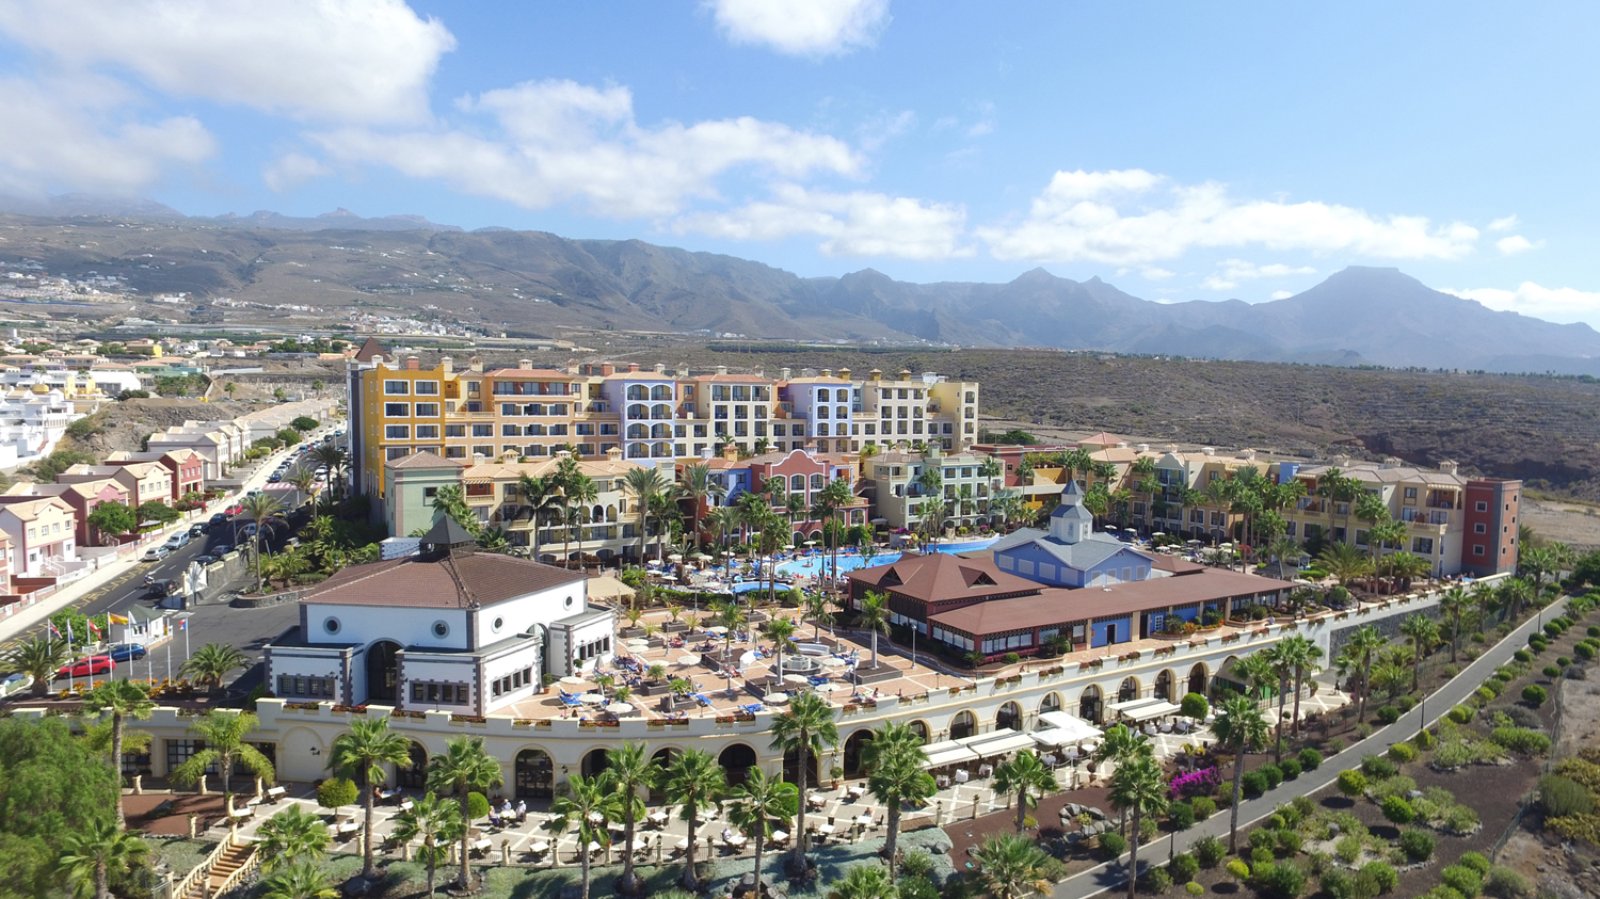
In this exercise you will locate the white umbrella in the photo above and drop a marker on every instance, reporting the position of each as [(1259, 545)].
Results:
[(796, 679), (811, 543), (825, 688), (834, 662), (636, 643), (619, 708), (592, 698), (700, 557), (653, 563), (717, 629), (572, 681), (675, 557), (777, 698), (688, 660)]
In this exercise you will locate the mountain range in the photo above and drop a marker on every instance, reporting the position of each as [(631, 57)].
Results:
[(529, 282)]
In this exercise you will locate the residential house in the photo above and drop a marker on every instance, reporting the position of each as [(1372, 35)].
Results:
[(43, 535)]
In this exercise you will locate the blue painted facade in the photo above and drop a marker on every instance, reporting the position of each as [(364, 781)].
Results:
[(1034, 563), (1100, 632)]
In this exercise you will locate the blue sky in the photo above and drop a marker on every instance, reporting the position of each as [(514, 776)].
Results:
[(1180, 151)]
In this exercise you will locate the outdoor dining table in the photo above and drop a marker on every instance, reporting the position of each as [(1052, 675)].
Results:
[(735, 840), (348, 827), (658, 818), (276, 793), (865, 819), (780, 836), (482, 844), (816, 800), (405, 805), (962, 776), (539, 848)]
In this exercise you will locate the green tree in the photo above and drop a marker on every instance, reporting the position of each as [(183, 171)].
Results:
[(1011, 866), (1137, 787), (806, 728), (541, 496), (463, 767), (225, 733), (302, 881), (644, 483), (289, 837), (697, 783), (259, 508), (113, 519), (758, 802), (51, 786), (360, 753), (1303, 656), (591, 802), (1026, 776), (39, 658), (896, 776), (632, 775), (122, 700), (90, 856), (157, 511), (336, 459), (211, 664), (873, 610), (864, 880), (434, 822), (1455, 604), (1423, 633), (780, 631), (1240, 728), (1363, 649)]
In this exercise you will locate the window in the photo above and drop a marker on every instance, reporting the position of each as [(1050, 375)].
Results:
[(426, 388), (444, 694), (331, 625), (427, 410), (1479, 527), (180, 751), (455, 430), (427, 432), (396, 432), (1477, 549), (1481, 506), (309, 687), (396, 388), (1422, 546), (396, 452), (397, 410), (441, 629)]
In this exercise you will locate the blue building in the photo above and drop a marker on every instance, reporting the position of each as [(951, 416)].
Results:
[(1071, 553)]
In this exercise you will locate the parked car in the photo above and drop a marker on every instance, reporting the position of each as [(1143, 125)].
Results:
[(86, 667), (219, 518), (159, 588), (221, 549), (178, 540), (204, 559), (196, 530), (274, 478), (232, 510), (126, 652), (156, 553)]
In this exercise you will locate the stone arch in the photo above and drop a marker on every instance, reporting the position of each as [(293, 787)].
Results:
[(1129, 689), (1050, 703), (920, 728), (963, 724), (1090, 703), (853, 747), (533, 774), (595, 761), (662, 759), (413, 774), (736, 760), (791, 767), (1009, 717), (1199, 678), (1163, 685), (383, 672), (797, 538)]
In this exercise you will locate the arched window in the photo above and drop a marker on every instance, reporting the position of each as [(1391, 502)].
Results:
[(818, 482), (963, 725), (797, 483), (638, 392), (638, 411)]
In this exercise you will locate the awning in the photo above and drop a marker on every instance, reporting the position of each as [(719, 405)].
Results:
[(1076, 728), (1147, 712), (998, 743), (949, 752), (1054, 737), (1127, 706), (607, 587)]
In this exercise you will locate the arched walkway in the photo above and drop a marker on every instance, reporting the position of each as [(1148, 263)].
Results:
[(414, 774), (1089, 704), (1163, 688), (594, 762), (736, 762), (963, 725), (791, 768), (1009, 717), (852, 752), (662, 760), (1050, 703), (920, 728), (383, 672), (533, 775), (1199, 678), (1129, 689)]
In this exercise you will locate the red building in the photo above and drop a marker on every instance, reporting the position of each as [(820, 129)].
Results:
[(792, 481), (187, 468), (1489, 545)]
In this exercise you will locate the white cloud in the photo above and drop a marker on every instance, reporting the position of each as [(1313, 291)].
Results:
[(1282, 294), (858, 223), (1516, 243), (985, 123), (292, 170), (884, 128), (811, 28), (1156, 273), (77, 133), (1232, 271), (560, 141), (345, 60), (1133, 217), (1557, 304), (1504, 223)]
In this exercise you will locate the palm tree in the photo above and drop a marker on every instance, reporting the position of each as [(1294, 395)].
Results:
[(696, 782), (540, 496), (696, 484), (224, 733), (1282, 671), (806, 728), (435, 822), (644, 484), (1363, 648), (864, 881), (1423, 633), (259, 507), (732, 616), (896, 774), (304, 481), (632, 773), (1255, 671), (578, 491), (1346, 563), (290, 836), (781, 632), (816, 608), (302, 881), (1240, 727), (1028, 777), (125, 700), (1486, 599), (1302, 655), (834, 498), (1012, 866), (1455, 603), (335, 458), (1137, 787), (1334, 488), (360, 753), (1516, 593), (40, 658), (874, 616), (759, 801), (463, 767), (1121, 744), (590, 802), (211, 664), (90, 854)]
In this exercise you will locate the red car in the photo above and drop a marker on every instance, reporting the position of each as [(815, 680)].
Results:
[(87, 667), (233, 510)]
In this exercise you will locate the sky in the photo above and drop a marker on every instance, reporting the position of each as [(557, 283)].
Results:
[(1178, 150)]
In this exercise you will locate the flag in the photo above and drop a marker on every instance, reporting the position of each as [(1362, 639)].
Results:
[(183, 624), (69, 633), (92, 629), (116, 619), (53, 632)]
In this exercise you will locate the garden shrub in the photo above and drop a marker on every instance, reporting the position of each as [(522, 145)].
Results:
[(1254, 783), (1194, 705), (1339, 884), (1563, 661), (1402, 753), (1398, 785), (1381, 873), (1156, 880), (1280, 881), (1363, 730), (1424, 739), (1352, 782), (1376, 766), (1290, 842), (1238, 869), (1388, 714), (1593, 630), (1113, 843), (1194, 889), (1181, 814), (1504, 676), (1290, 768), (1272, 773), (1204, 807), (1551, 671), (1507, 883), (1477, 861), (1562, 796), (1443, 892), (1485, 694), (1406, 703), (1184, 867), (1522, 655), (1462, 879), (1398, 810), (335, 792), (1461, 820), (1260, 857), (1310, 759), (1522, 740), (1417, 845), (1263, 838), (1584, 651), (1461, 714), (1210, 851), (1348, 848)]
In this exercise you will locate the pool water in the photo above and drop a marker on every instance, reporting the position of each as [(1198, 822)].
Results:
[(812, 566)]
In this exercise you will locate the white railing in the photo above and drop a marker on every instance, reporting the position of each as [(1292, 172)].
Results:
[(201, 870), (232, 880)]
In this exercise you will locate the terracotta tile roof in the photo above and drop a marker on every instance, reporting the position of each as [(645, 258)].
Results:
[(425, 459), (1173, 564), (441, 581), (941, 576), (528, 373), (738, 379), (1059, 606), (370, 348)]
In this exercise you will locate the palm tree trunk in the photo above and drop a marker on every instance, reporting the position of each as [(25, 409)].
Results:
[(626, 884), (874, 649), (102, 880), (431, 849), (1277, 729), (691, 882), (1298, 683), (892, 837), (1133, 855), (1238, 790), (465, 877), (584, 851), (760, 838), (798, 859), (225, 768), (367, 870), (1022, 809), (116, 766)]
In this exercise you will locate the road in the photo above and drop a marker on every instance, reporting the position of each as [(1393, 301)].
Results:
[(1111, 875)]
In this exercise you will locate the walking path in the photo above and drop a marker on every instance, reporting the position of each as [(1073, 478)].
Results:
[(1109, 875)]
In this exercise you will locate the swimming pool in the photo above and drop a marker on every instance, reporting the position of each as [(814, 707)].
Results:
[(812, 566)]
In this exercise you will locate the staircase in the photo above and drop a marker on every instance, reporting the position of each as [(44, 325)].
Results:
[(219, 873)]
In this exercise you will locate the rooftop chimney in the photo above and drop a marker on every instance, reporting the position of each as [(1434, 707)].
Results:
[(1208, 450), (606, 368), (447, 364), (1143, 447), (1449, 466), (844, 373), (413, 363), (783, 373), (661, 368), (633, 367), (722, 369), (524, 363)]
